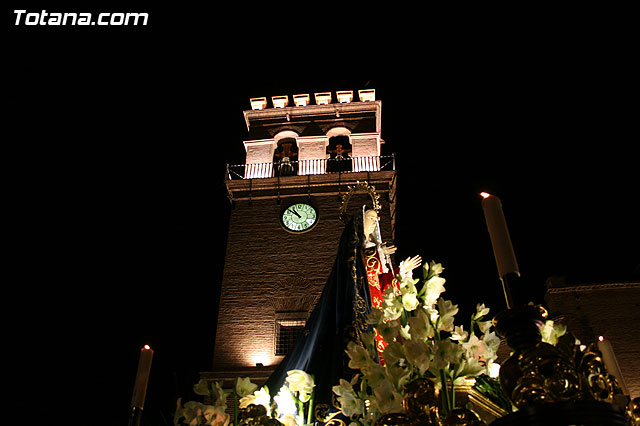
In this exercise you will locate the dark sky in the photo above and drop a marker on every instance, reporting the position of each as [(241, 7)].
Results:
[(119, 136)]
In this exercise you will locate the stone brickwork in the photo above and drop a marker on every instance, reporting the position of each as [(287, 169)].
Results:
[(269, 270), (271, 274), (609, 310)]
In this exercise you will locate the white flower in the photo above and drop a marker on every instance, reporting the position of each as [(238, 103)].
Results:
[(388, 398), (447, 312), (493, 343), (433, 288), (475, 347), (445, 352), (434, 315), (389, 330), (480, 312), (300, 381), (375, 374), (393, 307), (358, 356), (375, 317), (410, 301), (260, 397), (408, 285), (552, 332), (196, 413), (484, 326), (393, 353), (405, 332), (436, 268), (417, 353), (469, 368), (393, 312), (399, 376), (369, 341), (202, 387), (215, 391), (220, 396), (493, 369), (344, 386), (459, 333), (244, 387), (420, 326), (191, 411), (288, 420), (350, 404), (214, 416), (285, 403)]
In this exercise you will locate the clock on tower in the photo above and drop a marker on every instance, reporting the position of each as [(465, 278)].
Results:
[(299, 217), (285, 222)]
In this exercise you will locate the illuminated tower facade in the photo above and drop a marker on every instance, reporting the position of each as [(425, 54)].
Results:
[(302, 154)]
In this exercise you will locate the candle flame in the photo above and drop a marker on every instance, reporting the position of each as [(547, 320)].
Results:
[(485, 195), (147, 347), (601, 338)]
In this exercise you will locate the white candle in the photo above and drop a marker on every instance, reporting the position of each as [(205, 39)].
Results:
[(499, 234), (611, 363), (142, 377)]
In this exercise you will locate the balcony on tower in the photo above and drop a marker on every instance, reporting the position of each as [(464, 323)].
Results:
[(315, 143), (313, 139)]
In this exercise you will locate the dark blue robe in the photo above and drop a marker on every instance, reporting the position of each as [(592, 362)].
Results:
[(338, 318)]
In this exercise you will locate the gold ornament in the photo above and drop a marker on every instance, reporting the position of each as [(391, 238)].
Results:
[(359, 187), (421, 401), (538, 372), (462, 417), (395, 419)]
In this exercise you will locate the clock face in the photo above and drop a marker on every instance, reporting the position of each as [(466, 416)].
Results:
[(299, 217)]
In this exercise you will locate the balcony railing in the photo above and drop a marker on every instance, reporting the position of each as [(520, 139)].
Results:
[(310, 167)]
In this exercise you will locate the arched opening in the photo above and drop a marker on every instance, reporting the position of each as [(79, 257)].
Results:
[(339, 154), (286, 154)]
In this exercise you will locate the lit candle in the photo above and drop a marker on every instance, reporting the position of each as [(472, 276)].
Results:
[(501, 242), (499, 234), (142, 377), (611, 363)]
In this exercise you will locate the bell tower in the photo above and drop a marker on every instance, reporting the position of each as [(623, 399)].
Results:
[(302, 154)]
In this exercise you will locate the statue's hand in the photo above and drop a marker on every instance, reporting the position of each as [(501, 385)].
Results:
[(412, 263), (389, 249)]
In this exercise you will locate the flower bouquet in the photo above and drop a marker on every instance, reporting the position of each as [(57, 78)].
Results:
[(426, 353), (252, 406), (195, 413)]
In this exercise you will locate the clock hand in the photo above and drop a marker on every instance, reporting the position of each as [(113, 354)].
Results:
[(294, 212)]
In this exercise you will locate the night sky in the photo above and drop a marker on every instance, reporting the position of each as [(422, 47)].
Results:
[(114, 178)]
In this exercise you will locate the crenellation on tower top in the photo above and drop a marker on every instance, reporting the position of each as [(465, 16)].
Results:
[(299, 138), (310, 129), (321, 98)]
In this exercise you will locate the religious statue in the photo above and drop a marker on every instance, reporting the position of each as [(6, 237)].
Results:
[(360, 274), (380, 272)]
